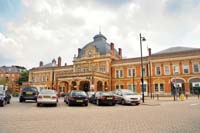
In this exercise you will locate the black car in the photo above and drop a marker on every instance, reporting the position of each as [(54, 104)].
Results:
[(4, 98), (28, 93), (77, 97), (104, 97)]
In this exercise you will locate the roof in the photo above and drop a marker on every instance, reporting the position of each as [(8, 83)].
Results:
[(100, 43), (175, 50), (12, 69)]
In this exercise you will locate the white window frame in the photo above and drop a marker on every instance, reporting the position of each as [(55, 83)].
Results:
[(176, 69), (186, 65), (197, 67), (168, 69), (119, 73), (133, 70), (159, 70)]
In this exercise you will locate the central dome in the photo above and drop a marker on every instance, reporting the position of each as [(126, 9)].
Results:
[(100, 43)]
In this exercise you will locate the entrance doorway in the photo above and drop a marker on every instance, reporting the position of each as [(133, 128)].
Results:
[(85, 86)]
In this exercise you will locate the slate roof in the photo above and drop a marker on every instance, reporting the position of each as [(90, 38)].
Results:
[(100, 43), (175, 50)]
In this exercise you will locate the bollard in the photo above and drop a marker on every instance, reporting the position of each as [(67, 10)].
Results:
[(157, 97)]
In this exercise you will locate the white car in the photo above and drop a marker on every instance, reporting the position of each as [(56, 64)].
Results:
[(125, 96), (47, 97)]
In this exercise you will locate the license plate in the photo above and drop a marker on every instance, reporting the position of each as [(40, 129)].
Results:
[(109, 98), (29, 92), (46, 96), (79, 101)]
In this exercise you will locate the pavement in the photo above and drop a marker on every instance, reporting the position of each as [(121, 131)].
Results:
[(153, 116)]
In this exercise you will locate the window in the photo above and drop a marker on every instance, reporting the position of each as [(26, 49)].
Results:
[(185, 68), (102, 68), (132, 87), (131, 72), (157, 70), (119, 87), (156, 87), (161, 87), (167, 72), (144, 72), (119, 73), (176, 69), (196, 68)]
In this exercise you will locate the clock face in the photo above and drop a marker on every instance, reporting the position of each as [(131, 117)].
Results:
[(89, 53)]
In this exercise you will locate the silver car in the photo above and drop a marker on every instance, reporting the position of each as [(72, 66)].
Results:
[(125, 96), (47, 97)]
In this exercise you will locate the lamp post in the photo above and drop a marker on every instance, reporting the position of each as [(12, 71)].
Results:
[(142, 78)]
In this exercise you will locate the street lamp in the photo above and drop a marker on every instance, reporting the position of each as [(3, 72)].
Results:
[(142, 79)]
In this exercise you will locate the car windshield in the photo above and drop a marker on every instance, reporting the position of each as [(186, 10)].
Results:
[(47, 92), (127, 92), (79, 93), (107, 93), (30, 89)]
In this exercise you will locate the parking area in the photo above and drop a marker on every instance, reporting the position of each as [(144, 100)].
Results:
[(179, 116)]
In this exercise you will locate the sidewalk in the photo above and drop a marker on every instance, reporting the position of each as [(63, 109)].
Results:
[(158, 101)]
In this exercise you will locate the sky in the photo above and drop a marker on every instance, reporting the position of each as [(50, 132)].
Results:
[(41, 30)]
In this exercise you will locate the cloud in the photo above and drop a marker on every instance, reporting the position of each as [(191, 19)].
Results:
[(47, 29)]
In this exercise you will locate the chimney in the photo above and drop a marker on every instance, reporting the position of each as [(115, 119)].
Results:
[(112, 47), (120, 52), (41, 63), (149, 49), (79, 50), (59, 61)]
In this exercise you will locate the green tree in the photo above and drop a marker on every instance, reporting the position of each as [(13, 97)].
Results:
[(23, 77), (3, 81)]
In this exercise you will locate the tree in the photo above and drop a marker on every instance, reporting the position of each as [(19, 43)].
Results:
[(23, 77)]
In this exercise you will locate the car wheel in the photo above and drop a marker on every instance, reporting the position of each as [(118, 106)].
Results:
[(21, 100), (8, 102), (69, 104), (3, 103), (38, 104), (113, 104), (98, 102), (137, 104), (123, 101), (55, 105), (86, 104)]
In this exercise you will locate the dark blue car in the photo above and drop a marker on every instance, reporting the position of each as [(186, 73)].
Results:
[(4, 98)]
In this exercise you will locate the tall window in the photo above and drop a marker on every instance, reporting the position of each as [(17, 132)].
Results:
[(196, 67), (167, 72), (157, 70), (132, 87), (185, 68), (119, 87), (161, 87), (119, 73), (156, 87), (102, 68), (131, 72), (144, 71), (176, 69)]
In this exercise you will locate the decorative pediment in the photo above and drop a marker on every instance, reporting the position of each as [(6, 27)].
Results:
[(90, 51)]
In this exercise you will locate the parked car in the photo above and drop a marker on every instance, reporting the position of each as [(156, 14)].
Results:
[(77, 97), (104, 97), (125, 96), (47, 97), (28, 93), (4, 98)]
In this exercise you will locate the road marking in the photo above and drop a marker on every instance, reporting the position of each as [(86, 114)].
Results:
[(194, 104)]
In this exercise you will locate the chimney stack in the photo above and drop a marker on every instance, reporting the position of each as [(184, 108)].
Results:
[(120, 52), (53, 62), (59, 61), (112, 47), (41, 63), (149, 49)]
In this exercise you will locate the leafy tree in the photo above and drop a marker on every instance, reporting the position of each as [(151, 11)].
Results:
[(23, 77)]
